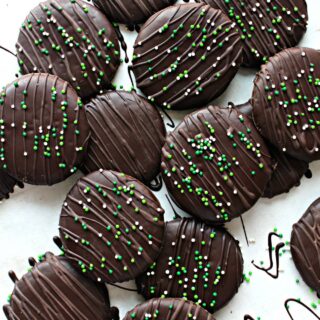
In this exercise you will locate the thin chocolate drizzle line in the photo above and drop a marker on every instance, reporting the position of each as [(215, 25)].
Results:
[(286, 305), (171, 123), (131, 76), (244, 230), (176, 214), (156, 184), (277, 250), (9, 51), (122, 41), (120, 287)]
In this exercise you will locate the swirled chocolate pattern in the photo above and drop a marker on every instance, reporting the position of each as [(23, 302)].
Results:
[(111, 226), (288, 171), (54, 290), (43, 129), (131, 12), (127, 134), (285, 102), (266, 27), (7, 184), (168, 309), (186, 55), (215, 164), (198, 263), (305, 246), (70, 39)]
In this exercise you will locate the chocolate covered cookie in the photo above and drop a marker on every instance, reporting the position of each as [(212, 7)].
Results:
[(127, 134), (169, 308), (73, 40), (111, 226), (305, 246), (198, 263), (43, 129), (266, 27), (286, 102), (186, 55), (7, 184), (215, 164), (131, 12), (287, 171), (53, 290)]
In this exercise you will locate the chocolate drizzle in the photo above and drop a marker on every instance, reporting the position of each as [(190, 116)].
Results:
[(44, 131), (248, 317), (131, 12), (122, 41), (186, 55), (111, 226), (127, 134), (9, 51), (286, 305), (278, 247), (215, 164), (53, 290), (168, 309), (305, 246), (73, 40), (156, 184), (286, 18), (198, 263)]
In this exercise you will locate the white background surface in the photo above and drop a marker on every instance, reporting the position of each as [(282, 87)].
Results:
[(29, 220)]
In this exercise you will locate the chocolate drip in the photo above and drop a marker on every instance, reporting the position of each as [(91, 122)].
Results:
[(9, 51), (176, 214), (171, 123), (277, 250), (156, 184), (122, 41), (7, 184), (248, 317)]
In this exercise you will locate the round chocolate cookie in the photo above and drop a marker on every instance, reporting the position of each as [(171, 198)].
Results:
[(54, 290), (266, 27), (73, 40), (131, 12), (43, 129), (286, 175), (287, 172), (186, 55), (127, 134), (169, 308), (7, 184), (286, 102), (198, 263), (305, 246), (215, 164), (111, 226)]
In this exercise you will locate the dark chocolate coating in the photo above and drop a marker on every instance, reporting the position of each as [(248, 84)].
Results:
[(287, 172), (7, 184), (54, 290), (186, 55), (215, 164), (127, 134), (43, 129), (286, 102), (168, 309), (111, 226), (266, 27), (197, 262), (305, 246), (131, 12), (73, 40)]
